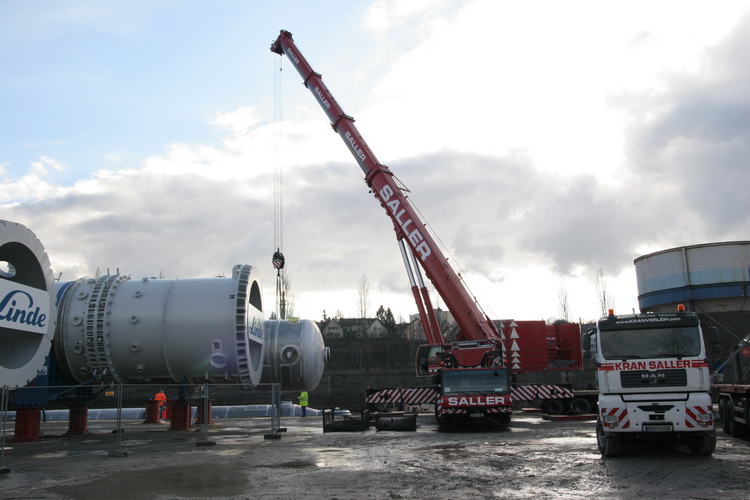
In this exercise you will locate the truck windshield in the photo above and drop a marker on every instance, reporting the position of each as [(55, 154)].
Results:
[(650, 343), (493, 380)]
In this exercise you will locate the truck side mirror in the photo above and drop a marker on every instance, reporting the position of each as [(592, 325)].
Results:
[(587, 344), (714, 340)]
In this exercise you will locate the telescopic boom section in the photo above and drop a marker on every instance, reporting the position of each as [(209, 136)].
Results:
[(473, 323)]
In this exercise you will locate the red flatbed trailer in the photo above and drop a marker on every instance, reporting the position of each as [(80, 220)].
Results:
[(734, 408)]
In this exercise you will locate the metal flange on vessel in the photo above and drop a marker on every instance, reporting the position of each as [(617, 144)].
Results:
[(27, 307), (124, 330)]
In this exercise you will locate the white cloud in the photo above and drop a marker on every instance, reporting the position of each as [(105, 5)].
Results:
[(542, 141), (384, 15), (45, 163), (502, 77), (40, 182), (27, 188), (239, 122)]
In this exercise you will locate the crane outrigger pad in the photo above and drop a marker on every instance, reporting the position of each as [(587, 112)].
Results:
[(347, 423), (396, 422)]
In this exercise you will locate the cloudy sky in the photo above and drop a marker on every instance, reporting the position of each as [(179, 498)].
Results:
[(543, 141)]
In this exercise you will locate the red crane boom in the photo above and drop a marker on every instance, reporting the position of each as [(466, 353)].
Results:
[(473, 323)]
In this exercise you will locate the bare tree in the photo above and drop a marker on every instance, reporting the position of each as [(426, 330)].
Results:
[(564, 305), (363, 291), (286, 284), (606, 301), (284, 296)]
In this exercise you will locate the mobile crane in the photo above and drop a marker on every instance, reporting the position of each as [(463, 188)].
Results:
[(470, 378)]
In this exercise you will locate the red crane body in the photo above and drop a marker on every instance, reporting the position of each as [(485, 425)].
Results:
[(471, 378), (473, 323)]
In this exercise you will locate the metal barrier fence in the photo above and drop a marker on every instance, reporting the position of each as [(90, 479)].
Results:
[(113, 420)]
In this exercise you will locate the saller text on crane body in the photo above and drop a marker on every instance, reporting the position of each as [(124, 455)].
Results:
[(475, 400), (415, 236)]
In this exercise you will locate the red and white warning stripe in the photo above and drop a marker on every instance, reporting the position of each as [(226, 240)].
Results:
[(461, 411), (539, 391), (699, 416), (411, 396), (621, 420)]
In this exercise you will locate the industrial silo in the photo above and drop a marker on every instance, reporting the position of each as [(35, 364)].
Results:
[(711, 279)]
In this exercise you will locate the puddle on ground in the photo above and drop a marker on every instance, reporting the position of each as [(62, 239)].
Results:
[(134, 442), (195, 481), (233, 452), (52, 454), (291, 464), (232, 439), (334, 457), (569, 440), (321, 457)]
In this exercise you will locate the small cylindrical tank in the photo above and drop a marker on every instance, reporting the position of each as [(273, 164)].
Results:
[(295, 355)]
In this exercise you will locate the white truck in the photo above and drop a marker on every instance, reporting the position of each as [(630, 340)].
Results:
[(653, 380)]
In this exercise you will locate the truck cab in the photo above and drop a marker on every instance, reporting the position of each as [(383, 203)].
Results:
[(472, 395), (653, 380)]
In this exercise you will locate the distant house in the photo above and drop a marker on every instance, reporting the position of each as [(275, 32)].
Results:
[(353, 328), (356, 328), (331, 329), (414, 330)]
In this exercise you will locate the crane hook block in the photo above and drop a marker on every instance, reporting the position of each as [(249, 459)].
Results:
[(278, 260)]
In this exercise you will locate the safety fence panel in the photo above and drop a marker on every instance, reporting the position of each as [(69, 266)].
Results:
[(41, 423)]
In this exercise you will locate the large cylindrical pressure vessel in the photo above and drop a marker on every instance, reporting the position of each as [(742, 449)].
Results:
[(295, 355), (127, 330), (27, 305)]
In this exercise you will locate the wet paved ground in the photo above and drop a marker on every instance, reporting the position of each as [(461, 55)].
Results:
[(531, 459)]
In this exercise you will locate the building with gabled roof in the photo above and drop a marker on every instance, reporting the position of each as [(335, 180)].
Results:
[(352, 328)]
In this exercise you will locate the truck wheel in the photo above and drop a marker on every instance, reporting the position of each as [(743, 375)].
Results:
[(609, 446), (553, 407), (503, 418), (442, 420), (581, 406), (725, 415), (736, 429), (703, 445)]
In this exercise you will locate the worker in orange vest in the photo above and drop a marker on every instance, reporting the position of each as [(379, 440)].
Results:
[(162, 399)]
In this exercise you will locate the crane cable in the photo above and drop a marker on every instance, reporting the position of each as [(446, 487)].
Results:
[(462, 275), (278, 260)]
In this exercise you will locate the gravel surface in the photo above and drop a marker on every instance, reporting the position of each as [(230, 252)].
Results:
[(531, 459)]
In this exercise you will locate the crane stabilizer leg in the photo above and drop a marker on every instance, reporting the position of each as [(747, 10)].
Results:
[(431, 330), (437, 332)]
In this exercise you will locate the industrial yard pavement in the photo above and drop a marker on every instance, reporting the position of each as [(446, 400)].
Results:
[(531, 459)]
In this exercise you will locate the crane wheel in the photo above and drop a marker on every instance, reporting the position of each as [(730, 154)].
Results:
[(553, 407)]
